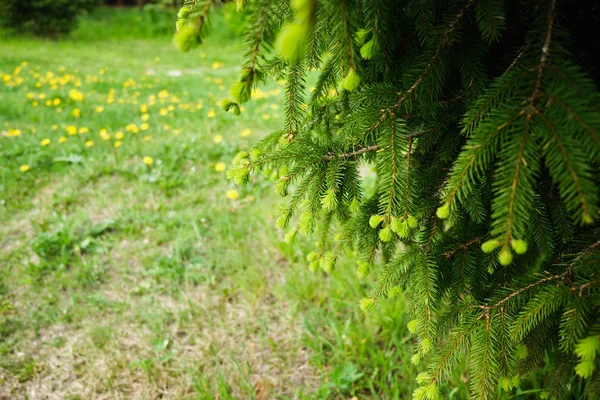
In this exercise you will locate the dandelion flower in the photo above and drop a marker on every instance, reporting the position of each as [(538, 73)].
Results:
[(89, 143), (35, 103), (76, 112), (163, 112), (45, 142), (54, 127), (62, 139), (71, 130), (144, 108), (84, 129), (24, 168), (117, 144), (232, 194), (75, 95), (147, 160), (211, 113), (266, 116), (99, 109), (56, 101), (144, 126), (119, 135), (176, 131), (145, 117), (163, 94), (218, 138), (220, 166), (147, 138), (245, 132)]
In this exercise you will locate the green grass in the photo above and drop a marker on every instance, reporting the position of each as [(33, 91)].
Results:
[(122, 279)]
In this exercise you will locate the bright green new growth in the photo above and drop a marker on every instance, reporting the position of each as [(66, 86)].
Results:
[(480, 120)]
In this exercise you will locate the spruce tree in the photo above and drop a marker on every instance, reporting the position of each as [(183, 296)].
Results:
[(481, 119)]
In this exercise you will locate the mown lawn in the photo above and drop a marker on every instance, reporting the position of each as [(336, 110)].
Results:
[(130, 267)]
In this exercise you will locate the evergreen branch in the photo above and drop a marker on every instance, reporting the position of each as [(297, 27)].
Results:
[(578, 118), (358, 152), (462, 274), (568, 163), (344, 12), (451, 349), (437, 53), (410, 143), (450, 254), (473, 157), (515, 183), (258, 28), (544, 57), (586, 285), (294, 98), (393, 166)]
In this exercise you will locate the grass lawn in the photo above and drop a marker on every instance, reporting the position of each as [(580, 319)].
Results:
[(130, 267)]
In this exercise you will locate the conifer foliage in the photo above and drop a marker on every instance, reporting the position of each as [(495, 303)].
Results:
[(480, 118)]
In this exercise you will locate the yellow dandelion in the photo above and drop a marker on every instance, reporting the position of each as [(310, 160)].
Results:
[(54, 127), (35, 103), (48, 103), (147, 138), (147, 160), (145, 126), (274, 106), (99, 109), (31, 95), (75, 95), (144, 108), (176, 131), (119, 135), (62, 139), (71, 130), (24, 63), (24, 168), (220, 166), (218, 138), (163, 94), (245, 132), (84, 129), (56, 101), (211, 113), (232, 194), (170, 107), (117, 143), (45, 142), (217, 65), (76, 112), (266, 116), (145, 117), (89, 143), (163, 112)]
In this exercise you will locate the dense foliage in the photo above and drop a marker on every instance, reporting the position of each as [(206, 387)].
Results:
[(481, 119), (43, 17)]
